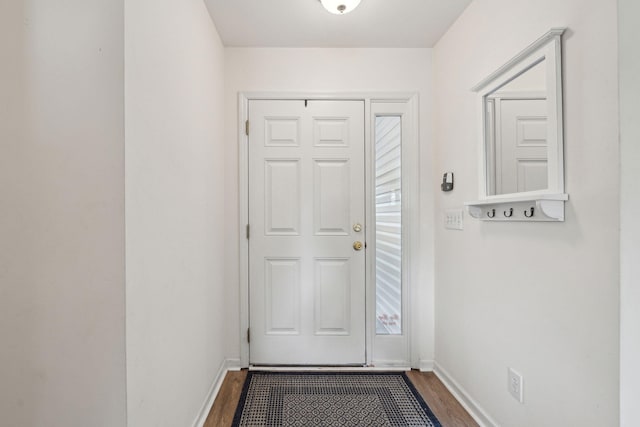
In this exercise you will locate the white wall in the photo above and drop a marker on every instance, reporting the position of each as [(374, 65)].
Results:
[(539, 297), (629, 38), (327, 70), (174, 210), (62, 356)]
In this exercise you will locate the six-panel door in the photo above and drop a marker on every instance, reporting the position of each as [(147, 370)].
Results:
[(306, 193)]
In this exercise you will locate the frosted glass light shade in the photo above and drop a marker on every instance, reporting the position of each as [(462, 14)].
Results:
[(340, 7)]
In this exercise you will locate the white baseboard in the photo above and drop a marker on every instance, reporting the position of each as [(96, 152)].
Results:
[(472, 407), (425, 365), (233, 364), (225, 366)]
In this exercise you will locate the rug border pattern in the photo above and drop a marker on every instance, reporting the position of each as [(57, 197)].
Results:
[(245, 388)]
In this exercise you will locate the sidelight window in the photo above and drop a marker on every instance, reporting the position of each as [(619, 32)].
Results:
[(388, 224)]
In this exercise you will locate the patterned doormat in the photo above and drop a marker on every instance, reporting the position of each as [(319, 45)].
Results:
[(331, 399)]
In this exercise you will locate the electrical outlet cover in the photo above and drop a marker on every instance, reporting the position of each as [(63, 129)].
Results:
[(515, 385)]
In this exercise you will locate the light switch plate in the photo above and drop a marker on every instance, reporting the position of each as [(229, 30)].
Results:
[(454, 219)]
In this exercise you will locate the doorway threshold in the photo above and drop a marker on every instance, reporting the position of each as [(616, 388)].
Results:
[(354, 368)]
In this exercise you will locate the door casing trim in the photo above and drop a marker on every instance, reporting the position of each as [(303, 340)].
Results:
[(411, 99)]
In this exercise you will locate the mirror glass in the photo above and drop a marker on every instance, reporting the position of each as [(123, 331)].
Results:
[(521, 123), (516, 134)]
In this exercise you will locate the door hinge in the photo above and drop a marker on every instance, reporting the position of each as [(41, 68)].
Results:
[(246, 127), (248, 335), (247, 231)]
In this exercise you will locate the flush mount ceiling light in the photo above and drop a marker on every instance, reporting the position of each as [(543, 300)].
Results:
[(340, 7)]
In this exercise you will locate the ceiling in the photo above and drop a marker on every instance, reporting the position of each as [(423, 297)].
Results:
[(305, 23)]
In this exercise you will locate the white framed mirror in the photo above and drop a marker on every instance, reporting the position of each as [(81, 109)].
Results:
[(521, 135)]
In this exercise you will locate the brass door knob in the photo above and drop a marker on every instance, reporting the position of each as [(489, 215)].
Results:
[(357, 246)]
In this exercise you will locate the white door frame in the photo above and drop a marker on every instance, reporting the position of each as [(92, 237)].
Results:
[(411, 206)]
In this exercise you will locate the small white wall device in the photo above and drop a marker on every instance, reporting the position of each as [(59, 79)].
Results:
[(447, 181)]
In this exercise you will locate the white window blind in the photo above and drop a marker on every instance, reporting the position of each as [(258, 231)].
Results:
[(388, 222)]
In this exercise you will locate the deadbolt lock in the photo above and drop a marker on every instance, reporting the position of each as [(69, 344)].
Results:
[(357, 246), (357, 228)]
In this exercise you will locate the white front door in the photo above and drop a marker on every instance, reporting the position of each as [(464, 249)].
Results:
[(306, 195)]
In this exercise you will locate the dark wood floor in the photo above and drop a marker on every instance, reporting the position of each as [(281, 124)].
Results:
[(442, 403)]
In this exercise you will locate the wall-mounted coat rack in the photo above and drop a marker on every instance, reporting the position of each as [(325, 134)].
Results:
[(521, 160), (546, 207)]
